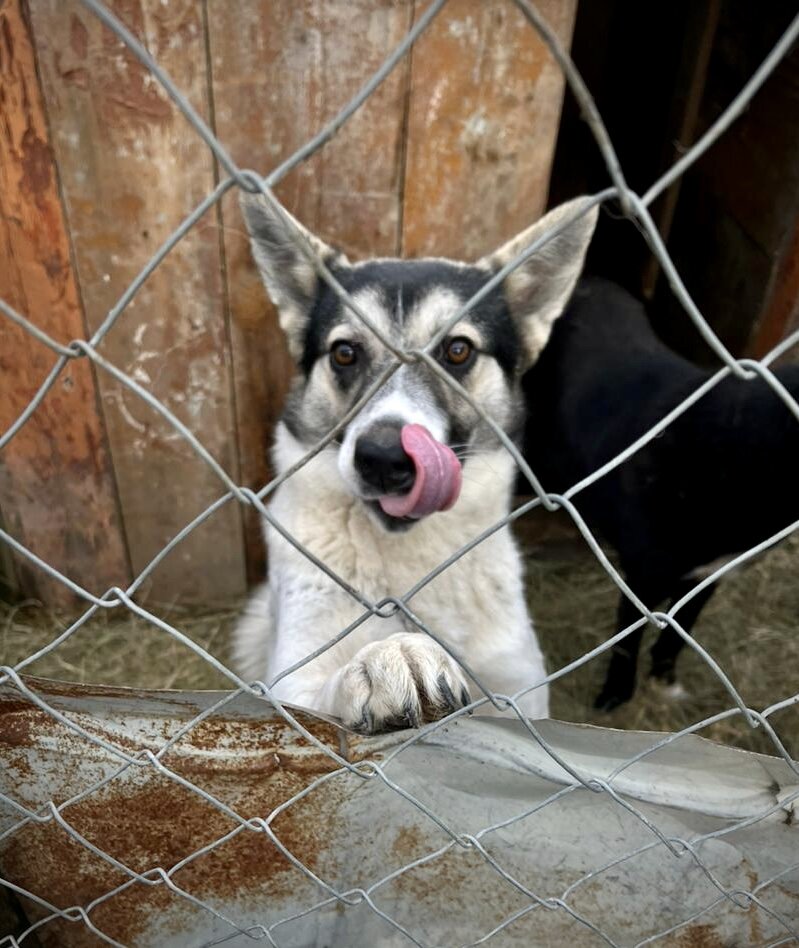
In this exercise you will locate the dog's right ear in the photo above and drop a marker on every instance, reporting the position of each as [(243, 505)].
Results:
[(539, 288), (288, 274)]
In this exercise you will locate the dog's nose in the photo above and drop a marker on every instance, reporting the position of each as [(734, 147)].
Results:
[(381, 461)]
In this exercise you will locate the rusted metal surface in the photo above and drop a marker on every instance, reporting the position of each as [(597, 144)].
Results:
[(351, 831), (144, 819)]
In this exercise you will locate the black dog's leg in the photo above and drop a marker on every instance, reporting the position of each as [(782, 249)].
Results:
[(667, 647), (620, 679)]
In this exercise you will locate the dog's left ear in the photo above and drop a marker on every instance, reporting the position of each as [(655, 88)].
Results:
[(288, 274), (538, 289)]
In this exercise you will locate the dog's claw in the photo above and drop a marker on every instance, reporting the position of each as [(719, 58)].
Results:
[(450, 702), (404, 681), (365, 725), (411, 716)]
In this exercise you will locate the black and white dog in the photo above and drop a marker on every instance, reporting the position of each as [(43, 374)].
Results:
[(721, 478), (411, 479)]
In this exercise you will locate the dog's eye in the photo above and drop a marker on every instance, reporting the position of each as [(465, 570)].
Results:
[(343, 354), (457, 351)]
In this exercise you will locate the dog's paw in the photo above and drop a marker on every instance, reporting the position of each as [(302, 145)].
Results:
[(671, 690), (613, 696), (620, 682), (403, 681)]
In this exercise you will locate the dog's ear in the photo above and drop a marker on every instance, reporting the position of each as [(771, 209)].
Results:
[(538, 289), (289, 276)]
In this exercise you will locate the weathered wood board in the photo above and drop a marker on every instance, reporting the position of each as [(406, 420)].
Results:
[(450, 156), (736, 219), (56, 485), (485, 101), (280, 72), (132, 168), (780, 314)]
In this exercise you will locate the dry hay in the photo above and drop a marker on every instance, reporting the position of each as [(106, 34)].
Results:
[(750, 627), (117, 647)]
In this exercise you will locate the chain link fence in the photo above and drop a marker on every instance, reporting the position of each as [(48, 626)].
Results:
[(552, 794)]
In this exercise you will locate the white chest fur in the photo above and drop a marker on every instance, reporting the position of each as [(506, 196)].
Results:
[(475, 606)]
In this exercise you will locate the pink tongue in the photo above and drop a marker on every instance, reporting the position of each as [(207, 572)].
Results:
[(438, 476)]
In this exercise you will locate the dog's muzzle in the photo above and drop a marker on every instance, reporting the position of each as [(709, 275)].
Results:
[(414, 474)]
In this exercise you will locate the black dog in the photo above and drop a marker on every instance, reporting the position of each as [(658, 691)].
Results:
[(721, 478)]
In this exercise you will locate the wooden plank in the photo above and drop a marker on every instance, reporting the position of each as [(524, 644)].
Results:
[(780, 315), (280, 71), (687, 89), (725, 271), (739, 204), (754, 166), (9, 584), (56, 487), (648, 95), (483, 118), (132, 169)]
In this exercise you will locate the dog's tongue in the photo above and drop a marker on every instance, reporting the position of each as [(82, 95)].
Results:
[(438, 476)]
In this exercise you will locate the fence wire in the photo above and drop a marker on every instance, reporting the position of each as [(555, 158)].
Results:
[(635, 208)]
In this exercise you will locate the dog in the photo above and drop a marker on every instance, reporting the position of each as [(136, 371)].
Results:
[(411, 478), (721, 478)]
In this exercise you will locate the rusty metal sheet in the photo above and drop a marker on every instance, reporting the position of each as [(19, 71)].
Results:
[(504, 820)]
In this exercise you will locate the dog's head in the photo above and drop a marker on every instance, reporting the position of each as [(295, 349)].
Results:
[(403, 452)]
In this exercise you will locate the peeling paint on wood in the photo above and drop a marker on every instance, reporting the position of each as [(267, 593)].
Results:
[(484, 111), (56, 485), (280, 71), (132, 169)]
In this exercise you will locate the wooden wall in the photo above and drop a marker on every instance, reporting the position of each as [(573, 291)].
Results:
[(57, 487), (451, 156), (661, 73), (735, 236)]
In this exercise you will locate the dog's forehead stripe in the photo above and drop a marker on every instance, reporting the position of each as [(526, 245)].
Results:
[(409, 300), (414, 328), (371, 301), (435, 310)]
